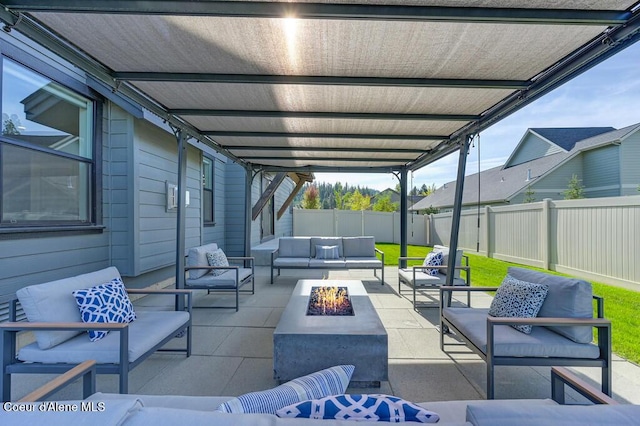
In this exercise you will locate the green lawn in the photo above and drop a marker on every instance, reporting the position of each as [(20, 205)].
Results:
[(622, 306)]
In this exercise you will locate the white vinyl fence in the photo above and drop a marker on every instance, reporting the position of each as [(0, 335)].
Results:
[(385, 227), (597, 238)]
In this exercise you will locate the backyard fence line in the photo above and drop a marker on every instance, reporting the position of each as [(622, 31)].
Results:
[(597, 239)]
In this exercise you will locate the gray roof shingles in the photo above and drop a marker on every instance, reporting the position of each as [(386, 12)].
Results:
[(499, 183)]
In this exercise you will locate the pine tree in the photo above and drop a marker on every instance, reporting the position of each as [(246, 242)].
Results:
[(575, 189), (529, 195)]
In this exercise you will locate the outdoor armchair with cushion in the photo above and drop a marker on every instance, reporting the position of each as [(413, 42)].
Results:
[(232, 277), (415, 276), (562, 332), (61, 339)]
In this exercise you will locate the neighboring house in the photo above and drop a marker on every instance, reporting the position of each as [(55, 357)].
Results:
[(86, 181), (603, 158), (394, 196)]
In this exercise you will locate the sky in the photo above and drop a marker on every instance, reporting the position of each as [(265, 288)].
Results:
[(606, 95)]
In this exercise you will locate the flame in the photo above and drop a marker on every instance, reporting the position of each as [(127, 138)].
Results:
[(330, 300)]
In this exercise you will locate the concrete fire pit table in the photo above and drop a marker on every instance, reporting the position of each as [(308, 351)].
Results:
[(303, 344)]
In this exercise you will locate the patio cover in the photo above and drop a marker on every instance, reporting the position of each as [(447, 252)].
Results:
[(367, 86)]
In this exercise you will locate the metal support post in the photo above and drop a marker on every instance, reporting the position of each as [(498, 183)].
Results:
[(457, 206), (181, 137), (403, 215)]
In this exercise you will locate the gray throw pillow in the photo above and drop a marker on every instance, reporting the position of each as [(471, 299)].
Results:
[(327, 252), (518, 299), (218, 258)]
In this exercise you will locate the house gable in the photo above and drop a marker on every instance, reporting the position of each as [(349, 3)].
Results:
[(530, 147)]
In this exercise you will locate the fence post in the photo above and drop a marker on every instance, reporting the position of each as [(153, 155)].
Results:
[(545, 226), (335, 222)]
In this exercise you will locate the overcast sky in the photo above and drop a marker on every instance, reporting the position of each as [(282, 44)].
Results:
[(606, 95)]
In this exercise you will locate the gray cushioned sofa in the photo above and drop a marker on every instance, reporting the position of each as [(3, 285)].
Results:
[(61, 338), (160, 410), (352, 253), (562, 334)]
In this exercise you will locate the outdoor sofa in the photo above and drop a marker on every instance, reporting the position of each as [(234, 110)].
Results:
[(61, 336), (327, 253), (561, 335), (160, 410), (238, 272)]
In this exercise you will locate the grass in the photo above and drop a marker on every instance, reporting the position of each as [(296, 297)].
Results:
[(621, 305)]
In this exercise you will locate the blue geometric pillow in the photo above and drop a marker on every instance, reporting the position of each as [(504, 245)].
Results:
[(381, 408), (218, 258), (331, 381), (433, 259), (104, 303)]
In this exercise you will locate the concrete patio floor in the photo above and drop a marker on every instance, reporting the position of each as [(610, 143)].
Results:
[(233, 351)]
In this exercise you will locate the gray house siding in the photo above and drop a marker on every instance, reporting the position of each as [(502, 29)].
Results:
[(284, 226), (556, 182), (117, 187), (629, 160), (154, 235), (216, 233), (530, 148), (602, 175), (234, 209)]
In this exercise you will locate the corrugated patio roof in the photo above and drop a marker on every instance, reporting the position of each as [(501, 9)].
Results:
[(375, 85)]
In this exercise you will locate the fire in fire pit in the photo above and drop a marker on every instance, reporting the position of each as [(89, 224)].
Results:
[(331, 301)]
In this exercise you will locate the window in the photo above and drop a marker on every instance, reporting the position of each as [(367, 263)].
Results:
[(207, 191), (46, 151)]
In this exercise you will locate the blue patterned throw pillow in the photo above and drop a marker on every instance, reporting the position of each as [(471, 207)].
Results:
[(218, 258), (104, 303), (331, 381), (433, 259), (381, 408), (518, 299)]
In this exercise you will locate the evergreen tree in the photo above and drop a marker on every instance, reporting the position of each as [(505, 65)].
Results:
[(575, 189), (529, 195)]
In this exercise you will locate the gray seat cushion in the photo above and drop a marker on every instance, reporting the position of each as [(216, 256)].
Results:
[(327, 263), (226, 279), (291, 262), (294, 247), (530, 415), (197, 256), (542, 342), (425, 280), (566, 298), (363, 262), (145, 332), (359, 246)]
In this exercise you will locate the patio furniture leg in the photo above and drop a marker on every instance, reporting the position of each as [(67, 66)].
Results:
[(7, 349), (124, 361)]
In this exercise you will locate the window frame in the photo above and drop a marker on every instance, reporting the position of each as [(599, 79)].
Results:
[(205, 221), (94, 208)]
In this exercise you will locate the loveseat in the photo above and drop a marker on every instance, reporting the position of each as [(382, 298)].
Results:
[(327, 253), (160, 410), (61, 335), (562, 332)]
